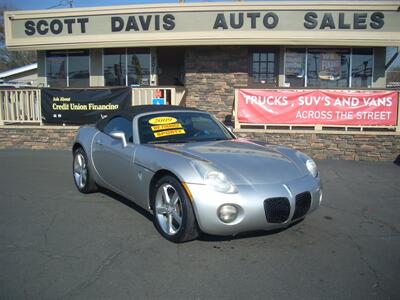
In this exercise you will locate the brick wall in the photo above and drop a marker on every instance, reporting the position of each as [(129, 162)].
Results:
[(212, 73), (336, 146), (319, 146), (35, 137)]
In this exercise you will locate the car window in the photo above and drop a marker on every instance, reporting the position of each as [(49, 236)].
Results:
[(180, 127), (120, 124)]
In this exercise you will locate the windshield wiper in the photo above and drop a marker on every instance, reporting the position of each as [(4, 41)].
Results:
[(188, 140), (170, 141), (216, 139)]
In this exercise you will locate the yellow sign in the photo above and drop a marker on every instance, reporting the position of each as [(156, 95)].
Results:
[(162, 120), (167, 126), (169, 132)]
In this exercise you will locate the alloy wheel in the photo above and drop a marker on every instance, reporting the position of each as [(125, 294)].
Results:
[(80, 170), (168, 209)]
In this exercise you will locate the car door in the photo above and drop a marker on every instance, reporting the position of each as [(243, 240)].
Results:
[(113, 162)]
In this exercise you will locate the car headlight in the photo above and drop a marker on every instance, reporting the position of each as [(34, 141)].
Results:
[(312, 167), (214, 178), (219, 182)]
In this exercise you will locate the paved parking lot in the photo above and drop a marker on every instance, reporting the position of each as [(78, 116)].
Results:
[(56, 243)]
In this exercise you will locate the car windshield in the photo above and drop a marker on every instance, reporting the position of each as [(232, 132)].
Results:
[(180, 127)]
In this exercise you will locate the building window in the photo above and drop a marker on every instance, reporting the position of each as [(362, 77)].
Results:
[(67, 68), (126, 66), (78, 68), (114, 66), (361, 67), (329, 67), (392, 64), (138, 67), (295, 67), (56, 68), (263, 67)]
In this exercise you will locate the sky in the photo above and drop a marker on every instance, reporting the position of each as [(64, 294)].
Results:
[(45, 4)]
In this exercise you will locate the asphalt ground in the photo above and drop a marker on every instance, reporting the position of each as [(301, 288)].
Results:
[(56, 243)]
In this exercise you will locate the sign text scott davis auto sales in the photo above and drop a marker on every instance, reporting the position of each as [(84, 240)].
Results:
[(183, 21)]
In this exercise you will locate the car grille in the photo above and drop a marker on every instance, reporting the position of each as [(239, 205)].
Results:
[(303, 203), (277, 210)]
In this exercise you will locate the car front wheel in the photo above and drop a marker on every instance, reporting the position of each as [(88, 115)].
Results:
[(82, 177), (173, 212)]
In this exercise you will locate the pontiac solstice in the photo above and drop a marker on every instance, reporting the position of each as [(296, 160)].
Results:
[(193, 174)]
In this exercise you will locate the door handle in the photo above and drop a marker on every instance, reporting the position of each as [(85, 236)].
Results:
[(99, 142)]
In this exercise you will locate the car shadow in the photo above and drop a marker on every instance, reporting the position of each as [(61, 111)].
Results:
[(128, 203), (245, 235), (203, 236), (397, 160)]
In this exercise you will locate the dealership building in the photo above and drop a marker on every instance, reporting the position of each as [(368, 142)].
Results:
[(339, 58)]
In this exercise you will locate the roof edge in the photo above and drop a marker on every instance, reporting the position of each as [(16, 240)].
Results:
[(290, 4), (18, 70)]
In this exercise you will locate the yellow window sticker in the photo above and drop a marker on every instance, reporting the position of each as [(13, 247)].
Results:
[(169, 132), (166, 126), (162, 120)]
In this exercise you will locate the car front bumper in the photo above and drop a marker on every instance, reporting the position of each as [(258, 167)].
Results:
[(250, 203)]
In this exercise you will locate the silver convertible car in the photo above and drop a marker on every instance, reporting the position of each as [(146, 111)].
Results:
[(193, 174)]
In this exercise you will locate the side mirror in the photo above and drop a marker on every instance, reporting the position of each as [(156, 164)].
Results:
[(119, 135)]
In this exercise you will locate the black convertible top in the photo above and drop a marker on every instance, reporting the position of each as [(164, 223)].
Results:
[(130, 112)]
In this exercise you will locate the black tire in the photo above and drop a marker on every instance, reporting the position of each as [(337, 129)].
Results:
[(88, 185), (188, 229)]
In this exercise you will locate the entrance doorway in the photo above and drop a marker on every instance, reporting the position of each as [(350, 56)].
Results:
[(171, 65)]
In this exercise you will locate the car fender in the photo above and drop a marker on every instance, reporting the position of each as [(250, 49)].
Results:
[(151, 160), (84, 137)]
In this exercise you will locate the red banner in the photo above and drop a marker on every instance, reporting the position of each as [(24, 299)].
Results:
[(322, 107)]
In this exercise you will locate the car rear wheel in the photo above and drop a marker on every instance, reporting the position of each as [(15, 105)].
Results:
[(173, 212), (82, 177)]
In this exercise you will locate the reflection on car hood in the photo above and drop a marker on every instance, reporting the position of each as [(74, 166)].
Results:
[(244, 162)]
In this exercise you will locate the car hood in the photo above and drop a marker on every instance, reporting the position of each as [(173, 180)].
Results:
[(243, 161)]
